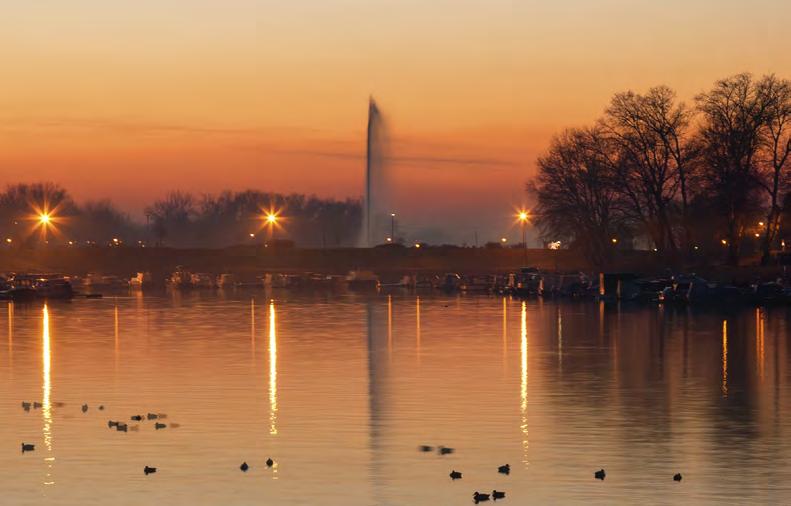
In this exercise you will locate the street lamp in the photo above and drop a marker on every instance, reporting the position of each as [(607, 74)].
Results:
[(45, 221), (392, 225), (523, 218), (271, 219)]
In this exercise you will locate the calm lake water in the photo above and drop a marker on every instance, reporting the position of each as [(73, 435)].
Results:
[(341, 389)]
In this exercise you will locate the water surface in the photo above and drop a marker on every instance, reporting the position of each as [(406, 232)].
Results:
[(341, 389)]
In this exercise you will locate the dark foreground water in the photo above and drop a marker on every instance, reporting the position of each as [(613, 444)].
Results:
[(340, 391)]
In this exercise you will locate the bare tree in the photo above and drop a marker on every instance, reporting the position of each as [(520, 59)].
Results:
[(735, 114), (172, 214), (575, 191), (650, 133), (775, 155)]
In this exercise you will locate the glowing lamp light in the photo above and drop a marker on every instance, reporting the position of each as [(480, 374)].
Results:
[(523, 216), (757, 234), (503, 240), (44, 218), (389, 239), (8, 240), (724, 242), (614, 240), (417, 245), (271, 218)]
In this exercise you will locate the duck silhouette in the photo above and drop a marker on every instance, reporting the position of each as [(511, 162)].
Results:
[(498, 495), (677, 477), (28, 447), (101, 407), (148, 470), (137, 418), (478, 497), (455, 475), (121, 427), (36, 405), (151, 416), (445, 451), (158, 426), (425, 448), (84, 408), (112, 424), (26, 406), (600, 474), (270, 462), (506, 469), (244, 467)]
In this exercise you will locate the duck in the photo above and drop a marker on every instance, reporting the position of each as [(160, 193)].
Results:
[(26, 406), (444, 450), (600, 474), (496, 494), (137, 418), (121, 427), (677, 477), (151, 416), (244, 467), (148, 470), (425, 448), (506, 469), (455, 475), (111, 424), (101, 407), (37, 405), (28, 447), (270, 462), (158, 426), (477, 497), (84, 408)]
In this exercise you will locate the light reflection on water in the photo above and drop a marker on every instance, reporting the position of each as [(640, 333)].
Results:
[(46, 388), (523, 390), (355, 383), (272, 370)]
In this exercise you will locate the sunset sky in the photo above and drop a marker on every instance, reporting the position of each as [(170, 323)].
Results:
[(126, 100)]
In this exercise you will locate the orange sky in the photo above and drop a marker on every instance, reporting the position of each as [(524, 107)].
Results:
[(129, 99)]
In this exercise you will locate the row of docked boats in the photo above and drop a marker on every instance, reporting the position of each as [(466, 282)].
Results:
[(527, 282), (21, 287)]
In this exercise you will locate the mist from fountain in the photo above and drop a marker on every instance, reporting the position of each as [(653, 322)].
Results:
[(377, 205)]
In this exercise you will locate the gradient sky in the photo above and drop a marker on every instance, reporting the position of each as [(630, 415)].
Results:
[(127, 100)]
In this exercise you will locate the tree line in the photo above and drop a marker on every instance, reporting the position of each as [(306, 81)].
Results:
[(178, 219), (714, 175)]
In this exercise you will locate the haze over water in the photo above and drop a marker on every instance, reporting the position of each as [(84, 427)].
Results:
[(341, 389)]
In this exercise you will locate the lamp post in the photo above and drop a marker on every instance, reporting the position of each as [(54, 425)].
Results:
[(44, 221), (270, 220), (392, 226), (523, 217)]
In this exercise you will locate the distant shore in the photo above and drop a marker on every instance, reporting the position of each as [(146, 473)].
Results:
[(249, 262)]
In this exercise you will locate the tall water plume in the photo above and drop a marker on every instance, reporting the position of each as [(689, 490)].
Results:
[(377, 205)]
